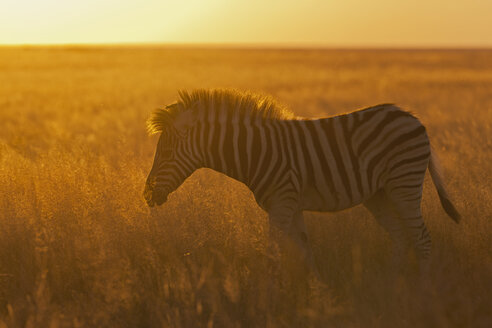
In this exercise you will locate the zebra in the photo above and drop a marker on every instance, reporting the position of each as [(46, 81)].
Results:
[(377, 156)]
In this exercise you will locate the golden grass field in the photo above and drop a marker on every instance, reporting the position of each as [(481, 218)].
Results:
[(80, 248)]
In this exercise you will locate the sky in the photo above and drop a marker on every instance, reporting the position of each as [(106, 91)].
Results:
[(331, 23)]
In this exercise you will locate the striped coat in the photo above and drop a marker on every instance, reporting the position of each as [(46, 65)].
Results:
[(377, 156)]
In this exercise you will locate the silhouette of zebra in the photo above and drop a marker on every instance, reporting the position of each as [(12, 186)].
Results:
[(377, 156)]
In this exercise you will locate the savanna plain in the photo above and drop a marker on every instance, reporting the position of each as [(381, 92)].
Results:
[(80, 248)]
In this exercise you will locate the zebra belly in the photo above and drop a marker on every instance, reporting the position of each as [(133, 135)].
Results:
[(313, 200)]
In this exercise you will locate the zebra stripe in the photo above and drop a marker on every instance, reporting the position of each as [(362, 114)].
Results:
[(377, 156)]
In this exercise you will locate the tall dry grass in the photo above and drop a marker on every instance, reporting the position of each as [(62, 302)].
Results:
[(78, 246)]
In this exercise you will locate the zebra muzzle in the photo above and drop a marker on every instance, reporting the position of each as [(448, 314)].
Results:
[(148, 196), (159, 196)]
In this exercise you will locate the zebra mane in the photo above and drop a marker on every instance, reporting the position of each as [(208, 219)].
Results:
[(230, 100)]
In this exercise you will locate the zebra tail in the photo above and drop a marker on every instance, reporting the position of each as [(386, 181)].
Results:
[(435, 172)]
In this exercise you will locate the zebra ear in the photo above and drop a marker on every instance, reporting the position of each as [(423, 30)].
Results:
[(185, 120)]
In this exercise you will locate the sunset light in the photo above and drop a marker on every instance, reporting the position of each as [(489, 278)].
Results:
[(448, 23), (245, 163)]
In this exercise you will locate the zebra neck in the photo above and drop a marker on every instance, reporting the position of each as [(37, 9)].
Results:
[(229, 148)]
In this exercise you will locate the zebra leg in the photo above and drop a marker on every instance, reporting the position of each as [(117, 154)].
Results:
[(289, 240), (279, 225), (408, 208), (298, 233), (381, 208)]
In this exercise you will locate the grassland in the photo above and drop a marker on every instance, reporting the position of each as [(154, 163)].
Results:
[(79, 247)]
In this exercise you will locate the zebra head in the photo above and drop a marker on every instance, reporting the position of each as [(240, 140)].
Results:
[(173, 161)]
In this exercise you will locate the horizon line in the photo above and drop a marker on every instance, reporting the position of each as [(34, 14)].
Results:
[(251, 45)]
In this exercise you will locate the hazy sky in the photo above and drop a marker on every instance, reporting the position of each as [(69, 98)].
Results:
[(300, 22)]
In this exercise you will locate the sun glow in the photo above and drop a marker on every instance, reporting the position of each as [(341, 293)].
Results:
[(310, 22)]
